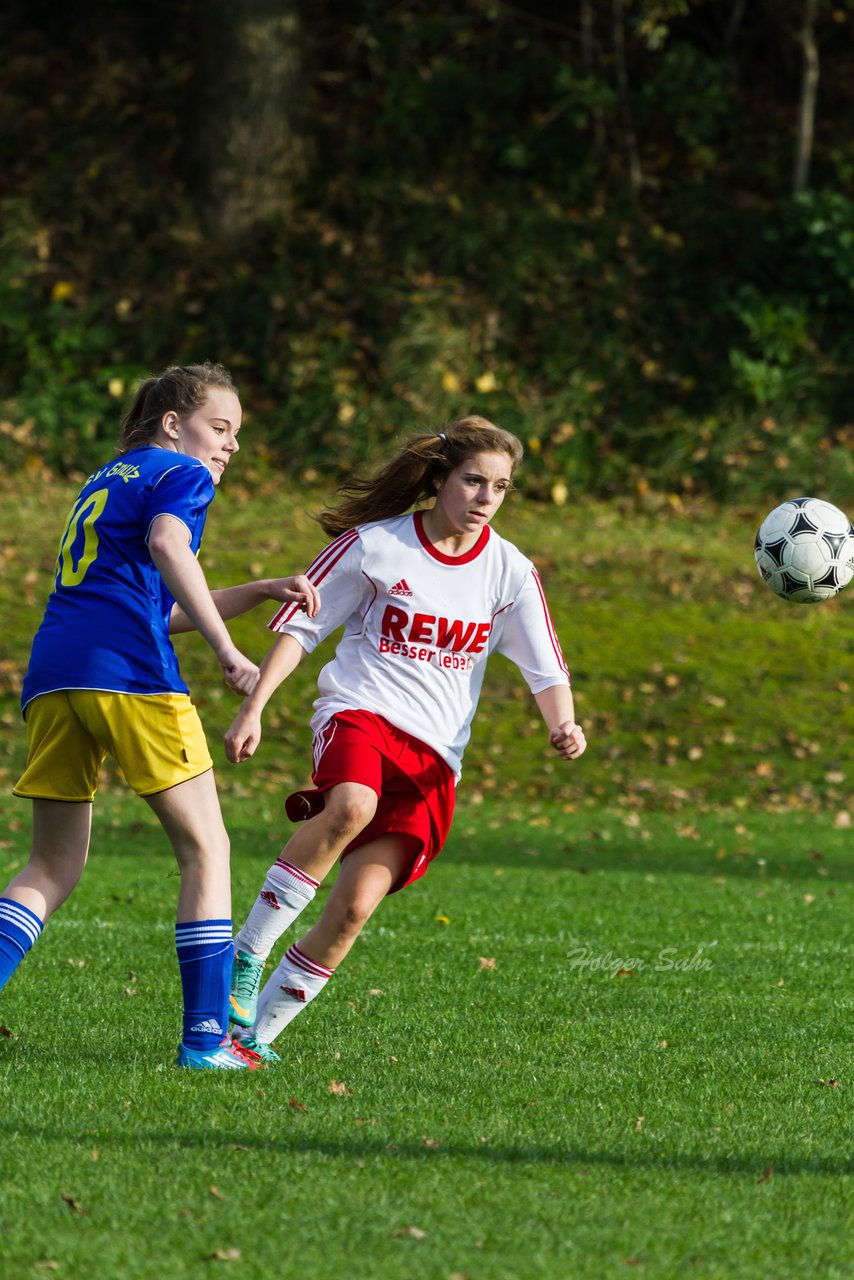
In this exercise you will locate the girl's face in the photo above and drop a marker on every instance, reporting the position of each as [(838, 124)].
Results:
[(210, 432), (469, 496)]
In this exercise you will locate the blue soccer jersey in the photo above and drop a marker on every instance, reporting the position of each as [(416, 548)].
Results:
[(106, 625)]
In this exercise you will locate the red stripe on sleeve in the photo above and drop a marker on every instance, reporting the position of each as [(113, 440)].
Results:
[(316, 572), (550, 624)]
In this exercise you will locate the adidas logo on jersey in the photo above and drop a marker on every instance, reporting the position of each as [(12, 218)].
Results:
[(400, 589)]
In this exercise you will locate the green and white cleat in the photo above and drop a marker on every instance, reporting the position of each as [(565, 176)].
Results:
[(245, 981), (265, 1052)]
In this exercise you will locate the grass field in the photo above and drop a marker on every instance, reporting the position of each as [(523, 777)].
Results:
[(570, 1051), (609, 1034)]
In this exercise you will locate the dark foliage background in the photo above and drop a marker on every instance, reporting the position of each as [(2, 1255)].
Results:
[(586, 220)]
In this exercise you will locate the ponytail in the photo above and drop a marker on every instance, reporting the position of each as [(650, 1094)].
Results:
[(181, 388), (412, 474)]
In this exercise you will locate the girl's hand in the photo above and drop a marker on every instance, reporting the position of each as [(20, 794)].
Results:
[(239, 673), (568, 740), (242, 736), (297, 588)]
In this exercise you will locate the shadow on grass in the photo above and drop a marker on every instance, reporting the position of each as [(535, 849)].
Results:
[(760, 1167)]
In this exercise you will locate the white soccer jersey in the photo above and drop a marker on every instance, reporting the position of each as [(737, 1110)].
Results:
[(419, 626)]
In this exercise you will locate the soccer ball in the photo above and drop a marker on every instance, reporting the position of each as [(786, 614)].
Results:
[(805, 550)]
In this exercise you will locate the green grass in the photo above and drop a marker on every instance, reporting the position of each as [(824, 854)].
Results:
[(548, 1118)]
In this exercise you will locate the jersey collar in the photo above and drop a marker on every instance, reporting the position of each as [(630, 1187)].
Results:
[(466, 558)]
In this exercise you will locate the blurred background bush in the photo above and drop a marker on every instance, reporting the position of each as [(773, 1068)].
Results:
[(623, 229)]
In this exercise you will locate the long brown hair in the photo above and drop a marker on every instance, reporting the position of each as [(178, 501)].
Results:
[(181, 389), (411, 475)]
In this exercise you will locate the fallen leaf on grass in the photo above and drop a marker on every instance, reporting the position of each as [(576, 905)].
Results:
[(487, 962), (639, 1123), (215, 1191), (222, 1255), (767, 1174), (296, 1105), (625, 973), (432, 1143), (8, 1033), (339, 1087), (830, 1084), (442, 920), (73, 1203), (46, 1264), (376, 991), (415, 1232)]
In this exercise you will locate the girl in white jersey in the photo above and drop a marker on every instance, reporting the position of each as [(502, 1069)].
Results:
[(424, 597)]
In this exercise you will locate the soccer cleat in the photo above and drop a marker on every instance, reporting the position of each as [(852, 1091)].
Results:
[(248, 1052), (224, 1057), (245, 981), (259, 1049)]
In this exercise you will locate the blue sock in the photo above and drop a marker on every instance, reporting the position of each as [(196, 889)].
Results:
[(19, 929), (205, 954)]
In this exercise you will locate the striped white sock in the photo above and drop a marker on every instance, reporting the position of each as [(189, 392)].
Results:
[(287, 891), (296, 981)]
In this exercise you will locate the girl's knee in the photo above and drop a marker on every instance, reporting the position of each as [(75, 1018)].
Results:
[(349, 810), (212, 852)]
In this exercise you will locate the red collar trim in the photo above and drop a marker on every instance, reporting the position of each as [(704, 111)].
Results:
[(466, 558)]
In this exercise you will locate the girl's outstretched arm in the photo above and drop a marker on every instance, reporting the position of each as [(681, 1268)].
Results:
[(244, 733), (231, 601)]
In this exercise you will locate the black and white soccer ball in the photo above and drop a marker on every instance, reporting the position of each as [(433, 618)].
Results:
[(805, 550)]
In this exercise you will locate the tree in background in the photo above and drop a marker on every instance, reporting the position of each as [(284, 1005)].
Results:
[(578, 219)]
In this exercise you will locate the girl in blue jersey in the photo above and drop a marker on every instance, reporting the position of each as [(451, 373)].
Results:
[(103, 678)]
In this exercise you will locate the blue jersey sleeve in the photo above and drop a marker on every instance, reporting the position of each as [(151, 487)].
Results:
[(184, 492)]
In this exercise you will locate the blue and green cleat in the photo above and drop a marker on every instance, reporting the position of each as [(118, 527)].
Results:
[(245, 981), (224, 1057)]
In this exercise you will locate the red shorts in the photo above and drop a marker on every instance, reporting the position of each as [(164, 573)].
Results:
[(414, 785)]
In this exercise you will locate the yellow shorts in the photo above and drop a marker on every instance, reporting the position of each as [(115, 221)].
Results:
[(157, 740)]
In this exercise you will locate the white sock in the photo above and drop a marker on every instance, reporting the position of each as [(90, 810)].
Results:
[(286, 892), (295, 982)]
